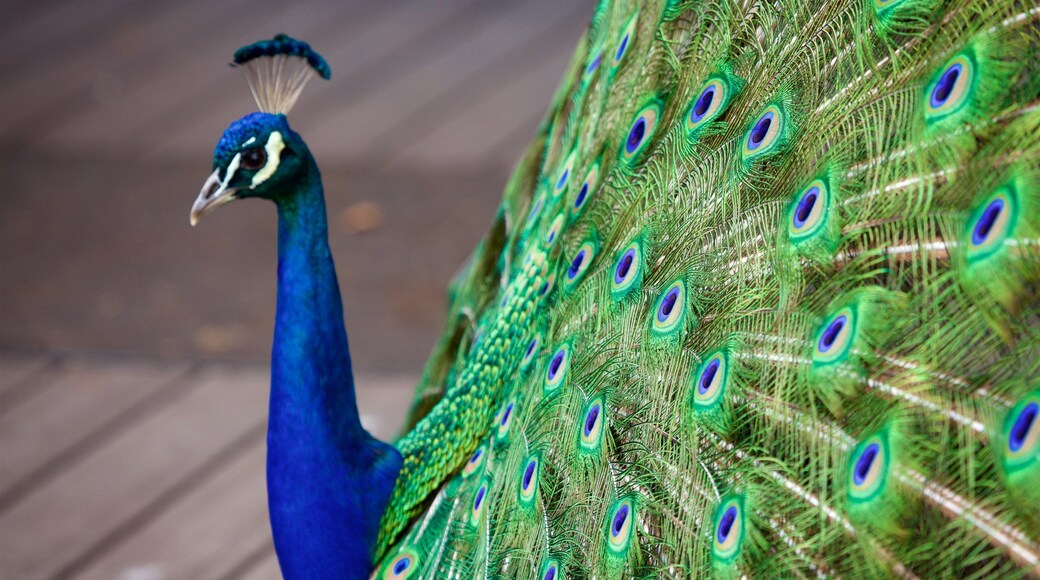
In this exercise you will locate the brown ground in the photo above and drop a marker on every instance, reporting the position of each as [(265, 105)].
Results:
[(111, 110)]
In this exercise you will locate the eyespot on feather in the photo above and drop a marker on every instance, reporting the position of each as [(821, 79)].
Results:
[(620, 526), (590, 428), (835, 338), (479, 504), (625, 41), (528, 485), (475, 461), (766, 134), (868, 468), (1021, 434), (404, 565), (588, 186), (593, 64), (554, 231), (669, 312), (551, 571), (556, 371), (709, 104), (563, 176), (991, 223), (641, 131), (951, 87), (710, 382), (728, 530), (530, 352), (809, 211), (627, 273), (579, 265), (504, 419)]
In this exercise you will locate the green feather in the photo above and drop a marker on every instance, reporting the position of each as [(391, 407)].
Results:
[(826, 326)]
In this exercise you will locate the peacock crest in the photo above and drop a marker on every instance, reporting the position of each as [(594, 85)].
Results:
[(278, 70)]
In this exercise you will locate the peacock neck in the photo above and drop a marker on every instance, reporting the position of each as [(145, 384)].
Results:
[(311, 353), (328, 479)]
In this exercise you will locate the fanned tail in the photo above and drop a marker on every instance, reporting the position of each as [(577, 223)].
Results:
[(778, 266)]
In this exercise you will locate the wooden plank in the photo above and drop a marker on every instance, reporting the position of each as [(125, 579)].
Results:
[(87, 402), (50, 28), (16, 14), (362, 60), (23, 388), (357, 127), (451, 107), (15, 369), (221, 522), (221, 528), (265, 567), (158, 45), (58, 526), (384, 401), (36, 90), (157, 84), (468, 136), (511, 146)]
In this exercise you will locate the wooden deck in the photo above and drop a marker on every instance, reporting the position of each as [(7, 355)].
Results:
[(116, 468), (133, 381)]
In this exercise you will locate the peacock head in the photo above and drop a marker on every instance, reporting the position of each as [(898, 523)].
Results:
[(259, 155)]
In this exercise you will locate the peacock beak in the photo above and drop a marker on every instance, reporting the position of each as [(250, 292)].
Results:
[(213, 195)]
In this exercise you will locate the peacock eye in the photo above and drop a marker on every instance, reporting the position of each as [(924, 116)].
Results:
[(729, 530), (951, 88), (707, 106), (627, 271), (710, 380), (254, 158), (809, 210), (641, 131), (670, 310), (767, 133), (580, 264)]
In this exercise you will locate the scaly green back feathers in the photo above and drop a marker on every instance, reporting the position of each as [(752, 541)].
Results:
[(761, 300)]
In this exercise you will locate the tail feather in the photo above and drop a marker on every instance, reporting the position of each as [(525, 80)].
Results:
[(762, 300)]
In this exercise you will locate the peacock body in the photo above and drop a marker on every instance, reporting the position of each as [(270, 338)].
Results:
[(763, 299)]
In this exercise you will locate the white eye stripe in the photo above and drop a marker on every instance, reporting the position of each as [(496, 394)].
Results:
[(249, 141), (231, 169), (274, 147)]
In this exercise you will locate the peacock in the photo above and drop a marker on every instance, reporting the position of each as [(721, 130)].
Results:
[(762, 299)]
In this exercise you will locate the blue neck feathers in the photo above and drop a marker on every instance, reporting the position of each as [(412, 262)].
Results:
[(328, 480)]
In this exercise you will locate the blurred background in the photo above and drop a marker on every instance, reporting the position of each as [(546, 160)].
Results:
[(133, 349)]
